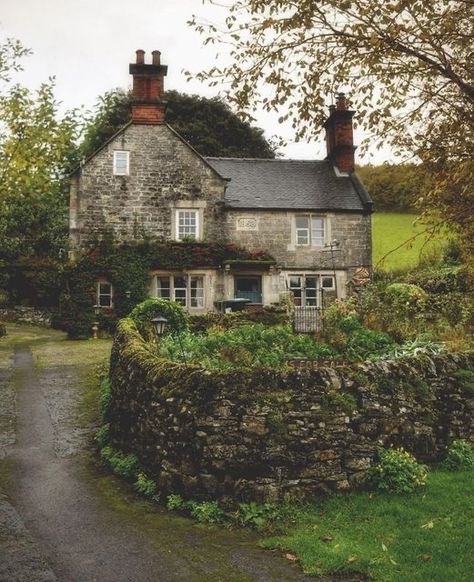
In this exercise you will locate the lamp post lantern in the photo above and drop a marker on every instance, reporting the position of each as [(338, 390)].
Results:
[(159, 325)]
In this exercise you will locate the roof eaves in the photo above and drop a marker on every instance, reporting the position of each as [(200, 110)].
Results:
[(364, 196), (295, 208)]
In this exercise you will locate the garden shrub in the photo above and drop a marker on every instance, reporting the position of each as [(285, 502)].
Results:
[(261, 516), (405, 298), (397, 471), (344, 330), (269, 315), (460, 456), (120, 463), (175, 502), (153, 307), (145, 486), (206, 511), (102, 436)]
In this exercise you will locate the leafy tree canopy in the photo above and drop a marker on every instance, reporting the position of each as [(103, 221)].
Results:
[(209, 125), (395, 187), (407, 65), (37, 149)]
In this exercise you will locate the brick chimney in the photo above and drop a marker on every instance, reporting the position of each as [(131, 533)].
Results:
[(339, 135), (148, 105)]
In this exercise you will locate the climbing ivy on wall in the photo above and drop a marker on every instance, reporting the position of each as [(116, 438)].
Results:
[(127, 268)]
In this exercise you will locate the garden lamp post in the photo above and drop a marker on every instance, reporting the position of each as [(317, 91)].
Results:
[(159, 324), (95, 325)]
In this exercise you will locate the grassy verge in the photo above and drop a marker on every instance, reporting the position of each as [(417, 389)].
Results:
[(420, 537), (391, 229)]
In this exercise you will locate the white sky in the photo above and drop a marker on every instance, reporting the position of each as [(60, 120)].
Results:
[(87, 46)]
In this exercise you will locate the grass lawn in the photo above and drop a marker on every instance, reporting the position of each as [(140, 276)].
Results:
[(391, 229), (427, 536)]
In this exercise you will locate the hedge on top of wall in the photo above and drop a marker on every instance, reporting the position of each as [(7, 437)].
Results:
[(127, 268)]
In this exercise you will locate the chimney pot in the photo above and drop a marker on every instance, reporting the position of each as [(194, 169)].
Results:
[(341, 102), (140, 57), (156, 57)]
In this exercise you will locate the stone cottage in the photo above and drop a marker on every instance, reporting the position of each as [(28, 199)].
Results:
[(313, 217)]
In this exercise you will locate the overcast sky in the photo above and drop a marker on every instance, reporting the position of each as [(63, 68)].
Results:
[(87, 45)]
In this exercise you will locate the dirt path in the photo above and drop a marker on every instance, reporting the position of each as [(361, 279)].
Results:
[(67, 520)]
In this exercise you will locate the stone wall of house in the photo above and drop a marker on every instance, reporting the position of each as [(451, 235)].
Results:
[(267, 434), (165, 173), (21, 314), (274, 232)]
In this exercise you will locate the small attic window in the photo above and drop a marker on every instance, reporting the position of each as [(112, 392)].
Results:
[(121, 163)]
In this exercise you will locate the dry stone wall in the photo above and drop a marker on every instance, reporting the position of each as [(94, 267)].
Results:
[(267, 434), (23, 314)]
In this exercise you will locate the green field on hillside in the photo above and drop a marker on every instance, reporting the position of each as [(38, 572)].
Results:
[(390, 230)]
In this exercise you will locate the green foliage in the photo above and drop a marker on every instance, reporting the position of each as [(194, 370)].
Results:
[(120, 463), (460, 456), (206, 511), (440, 278), (153, 307), (102, 436), (398, 472), (269, 315), (394, 187), (209, 125), (405, 299), (37, 149), (249, 345), (261, 516), (175, 502), (145, 486), (344, 330), (105, 397), (422, 344)]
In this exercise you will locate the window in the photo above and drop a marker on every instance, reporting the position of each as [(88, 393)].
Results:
[(187, 290), (187, 224), (310, 230), (104, 294), (121, 163), (307, 289), (327, 283)]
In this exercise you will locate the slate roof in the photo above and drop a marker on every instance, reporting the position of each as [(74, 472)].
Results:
[(289, 184)]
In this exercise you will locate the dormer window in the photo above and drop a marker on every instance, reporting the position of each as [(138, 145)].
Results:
[(121, 163)]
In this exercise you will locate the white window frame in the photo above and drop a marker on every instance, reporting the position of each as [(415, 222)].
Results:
[(303, 286), (99, 294), (310, 230), (199, 296), (127, 159), (333, 282), (178, 213)]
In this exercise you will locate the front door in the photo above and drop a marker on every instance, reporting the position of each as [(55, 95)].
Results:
[(249, 287)]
